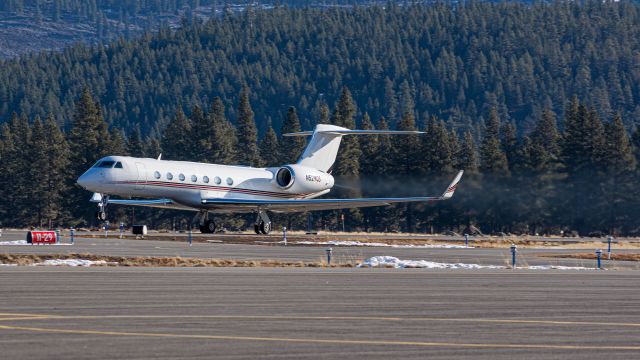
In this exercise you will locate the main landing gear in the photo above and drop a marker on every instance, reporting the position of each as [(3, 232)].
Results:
[(263, 223), (101, 214), (206, 225)]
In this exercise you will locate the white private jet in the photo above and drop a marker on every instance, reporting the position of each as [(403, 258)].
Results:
[(210, 188)]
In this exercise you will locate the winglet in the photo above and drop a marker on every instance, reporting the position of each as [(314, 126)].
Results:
[(452, 187)]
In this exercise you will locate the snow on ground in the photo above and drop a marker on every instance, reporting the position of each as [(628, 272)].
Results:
[(390, 261), (557, 267), (24, 242), (376, 244), (71, 262), (394, 262), (15, 242)]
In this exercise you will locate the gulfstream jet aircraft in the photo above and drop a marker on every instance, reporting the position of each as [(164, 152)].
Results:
[(210, 188)]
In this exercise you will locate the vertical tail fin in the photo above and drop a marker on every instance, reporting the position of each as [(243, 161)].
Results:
[(323, 148)]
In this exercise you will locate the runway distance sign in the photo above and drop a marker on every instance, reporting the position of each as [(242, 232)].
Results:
[(41, 237)]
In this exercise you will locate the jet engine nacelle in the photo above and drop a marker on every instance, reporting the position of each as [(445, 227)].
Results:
[(302, 179)]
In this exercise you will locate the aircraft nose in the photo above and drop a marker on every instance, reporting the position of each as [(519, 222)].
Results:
[(83, 180), (89, 180)]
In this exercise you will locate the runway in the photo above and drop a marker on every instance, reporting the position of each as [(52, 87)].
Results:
[(310, 313), (232, 313), (269, 251)]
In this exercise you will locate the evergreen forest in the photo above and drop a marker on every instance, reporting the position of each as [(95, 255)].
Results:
[(538, 103)]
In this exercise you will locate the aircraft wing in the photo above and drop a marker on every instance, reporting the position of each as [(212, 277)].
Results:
[(321, 204)]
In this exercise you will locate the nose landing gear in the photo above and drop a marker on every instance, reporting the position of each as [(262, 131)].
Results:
[(101, 214)]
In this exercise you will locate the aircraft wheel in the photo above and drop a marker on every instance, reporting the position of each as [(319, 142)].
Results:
[(210, 226), (256, 228), (265, 227), (101, 215)]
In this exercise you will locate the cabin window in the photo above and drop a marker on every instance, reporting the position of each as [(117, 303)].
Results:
[(194, 178), (229, 181), (181, 177), (217, 180), (118, 165), (169, 176), (106, 164), (205, 179), (156, 174)]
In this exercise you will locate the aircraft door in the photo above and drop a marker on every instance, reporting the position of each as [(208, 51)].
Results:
[(142, 176)]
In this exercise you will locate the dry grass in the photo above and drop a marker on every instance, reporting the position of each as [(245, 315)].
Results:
[(31, 259)]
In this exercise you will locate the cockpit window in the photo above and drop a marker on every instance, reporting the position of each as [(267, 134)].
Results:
[(118, 165), (106, 164)]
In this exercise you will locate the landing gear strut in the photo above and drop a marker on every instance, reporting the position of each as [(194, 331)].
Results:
[(101, 214), (263, 223), (206, 225)]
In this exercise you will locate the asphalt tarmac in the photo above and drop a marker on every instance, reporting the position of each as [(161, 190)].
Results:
[(311, 313), (302, 313)]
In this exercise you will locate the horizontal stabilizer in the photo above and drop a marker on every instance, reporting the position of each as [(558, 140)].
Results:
[(356, 132)]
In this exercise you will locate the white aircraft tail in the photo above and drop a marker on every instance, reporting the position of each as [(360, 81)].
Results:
[(323, 148)]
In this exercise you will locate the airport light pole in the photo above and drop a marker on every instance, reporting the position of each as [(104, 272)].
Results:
[(599, 256), (514, 250), (609, 238)]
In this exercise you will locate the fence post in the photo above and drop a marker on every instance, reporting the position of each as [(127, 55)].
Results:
[(284, 235)]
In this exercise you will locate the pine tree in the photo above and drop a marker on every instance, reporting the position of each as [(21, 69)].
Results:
[(152, 147), (89, 136), (436, 148), (324, 115), (224, 139), (292, 146), (176, 139), (347, 163), (247, 148), (58, 176), (21, 198), (117, 144), (508, 139), (408, 157), (456, 150), (469, 156), (38, 153), (348, 160), (201, 135), (369, 145), (9, 163), (545, 148), (135, 147), (493, 158), (582, 151), (619, 164), (384, 156), (270, 149)]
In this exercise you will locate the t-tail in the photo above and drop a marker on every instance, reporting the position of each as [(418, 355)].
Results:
[(323, 148)]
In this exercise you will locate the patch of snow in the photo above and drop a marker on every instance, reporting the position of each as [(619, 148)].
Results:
[(71, 262), (1, 264), (557, 267), (394, 262), (377, 244)]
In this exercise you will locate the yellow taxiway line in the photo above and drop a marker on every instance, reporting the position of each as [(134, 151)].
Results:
[(322, 341)]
